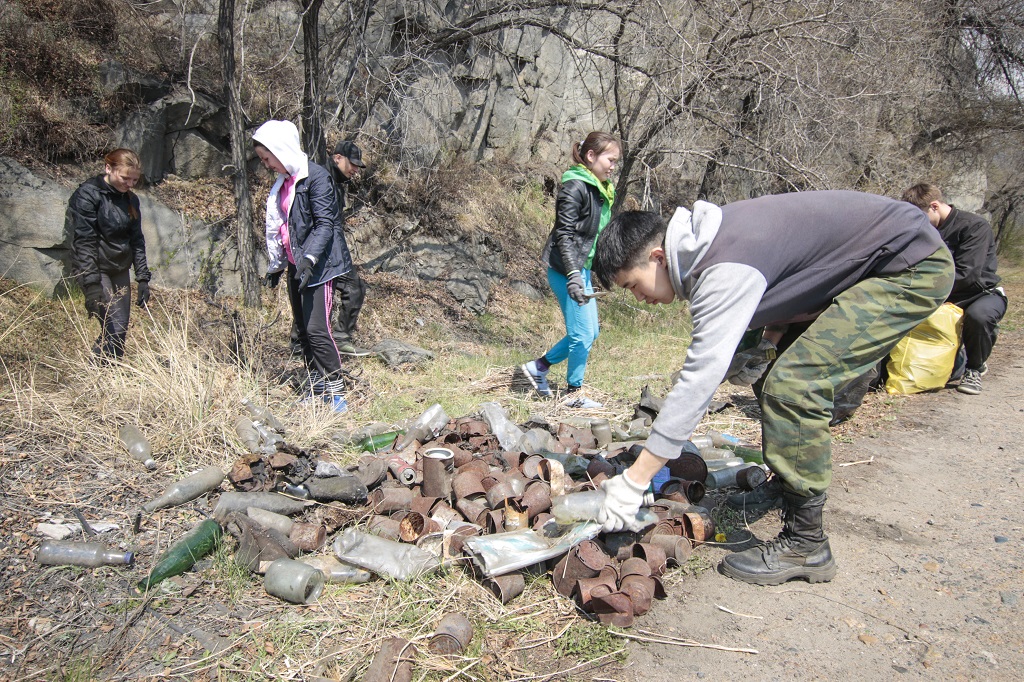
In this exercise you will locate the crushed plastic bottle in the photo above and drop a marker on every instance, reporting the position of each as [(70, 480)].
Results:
[(586, 505), (508, 434), (388, 558), (137, 445), (426, 426), (187, 489), (92, 554)]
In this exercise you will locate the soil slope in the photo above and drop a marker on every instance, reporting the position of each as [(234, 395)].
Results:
[(929, 539)]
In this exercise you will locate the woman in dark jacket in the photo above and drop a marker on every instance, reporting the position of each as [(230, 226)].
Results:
[(582, 209), (103, 216), (304, 237)]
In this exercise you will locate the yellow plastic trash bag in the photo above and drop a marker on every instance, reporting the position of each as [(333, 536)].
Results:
[(923, 359)]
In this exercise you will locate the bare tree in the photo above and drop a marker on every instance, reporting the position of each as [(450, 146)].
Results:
[(248, 244)]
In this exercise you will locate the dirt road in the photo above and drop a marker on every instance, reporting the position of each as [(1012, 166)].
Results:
[(929, 539)]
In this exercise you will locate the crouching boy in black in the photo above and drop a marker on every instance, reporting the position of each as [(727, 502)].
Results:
[(867, 269)]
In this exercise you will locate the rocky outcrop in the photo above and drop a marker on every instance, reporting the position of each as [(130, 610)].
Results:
[(35, 249)]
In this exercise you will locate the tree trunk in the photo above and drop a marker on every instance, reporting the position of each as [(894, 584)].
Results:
[(313, 138), (245, 236)]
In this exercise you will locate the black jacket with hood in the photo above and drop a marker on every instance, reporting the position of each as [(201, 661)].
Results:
[(105, 236), (314, 218)]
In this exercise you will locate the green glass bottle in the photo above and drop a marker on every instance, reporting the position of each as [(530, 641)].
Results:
[(181, 556), (379, 442)]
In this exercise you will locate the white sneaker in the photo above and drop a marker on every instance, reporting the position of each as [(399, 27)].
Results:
[(583, 403), (537, 378)]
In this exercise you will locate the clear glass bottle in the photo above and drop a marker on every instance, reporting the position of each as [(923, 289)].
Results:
[(63, 552), (137, 445), (426, 426), (247, 433), (188, 488), (263, 415)]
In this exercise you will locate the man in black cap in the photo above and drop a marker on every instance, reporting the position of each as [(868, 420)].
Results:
[(350, 289)]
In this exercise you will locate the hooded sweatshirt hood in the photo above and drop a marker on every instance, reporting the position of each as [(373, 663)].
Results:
[(687, 239), (282, 139)]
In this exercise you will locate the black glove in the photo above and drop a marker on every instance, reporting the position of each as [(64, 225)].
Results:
[(143, 298), (303, 271), (272, 279), (95, 300), (577, 291)]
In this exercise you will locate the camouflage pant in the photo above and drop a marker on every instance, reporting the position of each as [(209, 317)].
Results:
[(851, 336)]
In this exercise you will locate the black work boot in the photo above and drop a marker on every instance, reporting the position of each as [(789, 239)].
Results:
[(766, 496), (801, 550)]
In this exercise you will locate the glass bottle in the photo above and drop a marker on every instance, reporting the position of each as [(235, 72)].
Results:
[(379, 441), (263, 415), (246, 432), (181, 556), (426, 426), (747, 451), (137, 445), (63, 552), (188, 488)]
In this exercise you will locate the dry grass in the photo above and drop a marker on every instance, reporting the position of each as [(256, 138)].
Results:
[(188, 365)]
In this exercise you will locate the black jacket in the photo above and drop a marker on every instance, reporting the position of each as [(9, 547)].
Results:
[(577, 218), (105, 238), (315, 225), (970, 239)]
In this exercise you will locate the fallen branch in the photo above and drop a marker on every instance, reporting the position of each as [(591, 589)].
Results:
[(862, 461), (676, 641)]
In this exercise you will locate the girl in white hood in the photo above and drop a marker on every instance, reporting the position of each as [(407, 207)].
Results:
[(305, 239)]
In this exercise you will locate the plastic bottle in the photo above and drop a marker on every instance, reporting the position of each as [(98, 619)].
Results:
[(386, 557), (426, 426), (586, 505), (508, 434), (263, 415), (725, 477), (188, 488), (61, 553), (137, 445), (181, 556)]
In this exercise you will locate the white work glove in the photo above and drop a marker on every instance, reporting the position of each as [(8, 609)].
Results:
[(748, 366), (622, 500)]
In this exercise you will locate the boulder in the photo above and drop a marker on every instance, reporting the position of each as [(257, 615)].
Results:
[(190, 155), (35, 249), (33, 244)]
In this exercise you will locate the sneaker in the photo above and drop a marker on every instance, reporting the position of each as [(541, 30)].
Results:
[(971, 383), (583, 403), (537, 378), (984, 369), (349, 348), (337, 403)]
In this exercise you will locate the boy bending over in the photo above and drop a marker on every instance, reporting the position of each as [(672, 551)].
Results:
[(867, 269)]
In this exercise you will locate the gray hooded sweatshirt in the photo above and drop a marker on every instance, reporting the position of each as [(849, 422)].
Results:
[(772, 260)]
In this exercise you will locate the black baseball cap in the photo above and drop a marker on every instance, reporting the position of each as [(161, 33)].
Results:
[(349, 150)]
